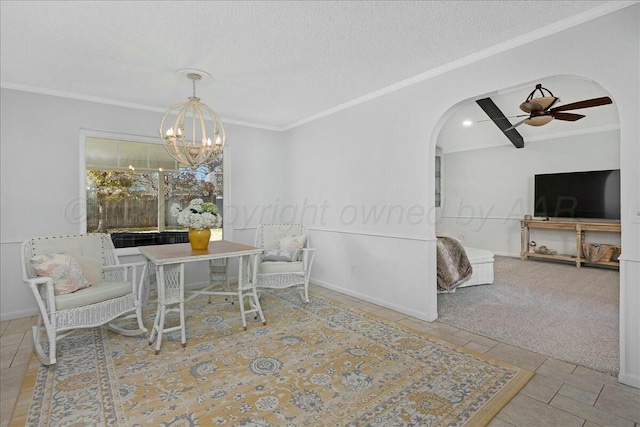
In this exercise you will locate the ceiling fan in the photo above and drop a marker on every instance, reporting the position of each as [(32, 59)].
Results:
[(540, 113)]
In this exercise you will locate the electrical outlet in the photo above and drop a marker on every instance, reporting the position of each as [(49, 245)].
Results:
[(353, 269)]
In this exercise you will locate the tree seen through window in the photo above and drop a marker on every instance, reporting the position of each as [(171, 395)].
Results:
[(127, 197)]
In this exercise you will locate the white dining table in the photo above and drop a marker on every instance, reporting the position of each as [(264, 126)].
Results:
[(169, 262)]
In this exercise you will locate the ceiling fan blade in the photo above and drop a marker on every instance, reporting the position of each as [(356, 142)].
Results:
[(587, 103), (494, 113), (516, 125), (570, 117), (503, 118)]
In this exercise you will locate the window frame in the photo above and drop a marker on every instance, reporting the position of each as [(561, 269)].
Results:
[(81, 214)]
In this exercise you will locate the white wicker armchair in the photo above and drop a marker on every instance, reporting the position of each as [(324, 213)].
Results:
[(284, 274), (115, 289)]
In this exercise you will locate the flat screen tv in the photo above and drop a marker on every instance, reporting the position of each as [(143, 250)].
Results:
[(593, 194)]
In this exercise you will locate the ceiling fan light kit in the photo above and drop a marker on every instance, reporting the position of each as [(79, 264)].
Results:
[(543, 102), (538, 104), (538, 120)]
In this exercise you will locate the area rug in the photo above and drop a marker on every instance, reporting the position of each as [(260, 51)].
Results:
[(313, 364), (558, 310)]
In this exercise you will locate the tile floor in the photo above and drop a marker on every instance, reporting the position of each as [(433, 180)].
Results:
[(560, 394), (15, 352)]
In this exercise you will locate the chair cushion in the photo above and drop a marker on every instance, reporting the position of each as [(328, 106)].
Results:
[(268, 267), (96, 293), (280, 255), (63, 268)]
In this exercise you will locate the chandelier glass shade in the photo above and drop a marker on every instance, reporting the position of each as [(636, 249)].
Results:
[(195, 137)]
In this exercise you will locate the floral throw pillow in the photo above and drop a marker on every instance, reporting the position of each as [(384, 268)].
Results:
[(63, 269), (293, 245), (277, 255), (293, 242)]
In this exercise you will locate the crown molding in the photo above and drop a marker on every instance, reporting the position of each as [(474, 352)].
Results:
[(540, 33), (106, 101), (253, 125)]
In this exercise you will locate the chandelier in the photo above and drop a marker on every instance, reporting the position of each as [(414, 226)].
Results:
[(197, 144)]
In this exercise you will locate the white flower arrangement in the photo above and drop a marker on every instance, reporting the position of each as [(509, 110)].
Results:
[(197, 215)]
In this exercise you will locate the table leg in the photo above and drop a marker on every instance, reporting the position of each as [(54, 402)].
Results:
[(170, 282), (524, 240), (155, 327), (183, 329), (579, 239), (160, 322), (254, 280), (247, 287), (255, 304), (242, 313)]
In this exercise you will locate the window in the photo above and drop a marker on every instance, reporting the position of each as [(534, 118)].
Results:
[(438, 181), (131, 186)]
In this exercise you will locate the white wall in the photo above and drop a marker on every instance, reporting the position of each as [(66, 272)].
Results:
[(380, 154), (366, 167), (40, 176), (488, 191)]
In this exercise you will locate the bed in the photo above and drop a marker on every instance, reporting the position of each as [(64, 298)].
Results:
[(482, 265), (459, 266)]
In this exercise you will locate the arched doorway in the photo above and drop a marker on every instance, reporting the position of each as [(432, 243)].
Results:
[(487, 183)]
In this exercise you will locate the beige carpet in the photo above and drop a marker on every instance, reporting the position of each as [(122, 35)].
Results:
[(314, 364), (558, 310)]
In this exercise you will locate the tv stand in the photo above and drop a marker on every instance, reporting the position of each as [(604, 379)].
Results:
[(579, 227)]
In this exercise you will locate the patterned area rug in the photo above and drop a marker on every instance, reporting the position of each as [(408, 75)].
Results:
[(311, 365)]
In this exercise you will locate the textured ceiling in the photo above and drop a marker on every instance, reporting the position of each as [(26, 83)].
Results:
[(273, 64)]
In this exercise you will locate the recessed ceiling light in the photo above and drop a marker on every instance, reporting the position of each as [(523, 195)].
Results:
[(467, 123)]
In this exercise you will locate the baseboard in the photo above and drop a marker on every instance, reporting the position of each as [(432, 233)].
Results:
[(629, 379), (507, 254), (408, 311), (19, 314)]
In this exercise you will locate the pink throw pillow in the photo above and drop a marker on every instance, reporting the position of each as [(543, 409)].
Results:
[(63, 269)]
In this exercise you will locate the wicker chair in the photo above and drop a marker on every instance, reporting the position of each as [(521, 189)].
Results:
[(219, 275), (115, 289), (284, 274)]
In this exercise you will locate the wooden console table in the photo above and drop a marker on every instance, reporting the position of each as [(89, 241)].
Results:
[(578, 226)]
